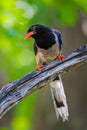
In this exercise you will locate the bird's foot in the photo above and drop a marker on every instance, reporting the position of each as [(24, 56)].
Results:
[(61, 57), (38, 67)]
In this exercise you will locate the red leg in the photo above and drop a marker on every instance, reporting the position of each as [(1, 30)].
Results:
[(38, 67), (61, 57)]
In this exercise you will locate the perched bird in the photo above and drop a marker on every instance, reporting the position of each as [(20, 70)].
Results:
[(48, 46)]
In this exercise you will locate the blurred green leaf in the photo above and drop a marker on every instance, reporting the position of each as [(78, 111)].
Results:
[(20, 123), (82, 4), (3, 128), (67, 13)]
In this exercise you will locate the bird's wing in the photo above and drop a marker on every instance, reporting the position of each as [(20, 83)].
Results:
[(59, 37), (59, 98), (38, 55), (35, 48)]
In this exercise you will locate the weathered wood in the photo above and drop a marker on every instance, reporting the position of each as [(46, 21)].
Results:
[(13, 92)]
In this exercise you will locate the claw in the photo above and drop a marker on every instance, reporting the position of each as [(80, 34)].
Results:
[(38, 67), (61, 57)]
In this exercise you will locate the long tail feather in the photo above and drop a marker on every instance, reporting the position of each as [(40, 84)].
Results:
[(59, 98)]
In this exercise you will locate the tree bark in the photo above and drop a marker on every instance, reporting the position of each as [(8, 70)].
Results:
[(15, 91)]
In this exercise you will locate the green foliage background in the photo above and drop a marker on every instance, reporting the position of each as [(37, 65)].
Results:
[(16, 55)]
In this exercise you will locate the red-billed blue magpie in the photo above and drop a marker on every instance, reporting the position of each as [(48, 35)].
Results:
[(48, 46)]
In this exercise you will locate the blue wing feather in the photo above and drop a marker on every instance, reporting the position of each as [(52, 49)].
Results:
[(59, 36), (35, 48)]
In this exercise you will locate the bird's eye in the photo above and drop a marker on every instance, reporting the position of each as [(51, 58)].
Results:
[(33, 28)]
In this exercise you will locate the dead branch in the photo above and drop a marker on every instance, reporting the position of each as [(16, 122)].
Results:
[(15, 91)]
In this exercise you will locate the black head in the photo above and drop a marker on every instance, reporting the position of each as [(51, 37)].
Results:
[(36, 31)]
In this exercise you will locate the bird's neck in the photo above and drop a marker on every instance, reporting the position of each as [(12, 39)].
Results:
[(45, 41)]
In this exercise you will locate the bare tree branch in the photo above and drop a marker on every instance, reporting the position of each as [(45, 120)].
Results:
[(13, 92)]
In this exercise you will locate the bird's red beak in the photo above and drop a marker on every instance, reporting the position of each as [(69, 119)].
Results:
[(28, 35)]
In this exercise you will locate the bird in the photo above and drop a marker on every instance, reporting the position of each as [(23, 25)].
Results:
[(48, 46)]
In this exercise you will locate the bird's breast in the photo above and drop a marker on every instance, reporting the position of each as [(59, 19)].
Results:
[(49, 54)]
